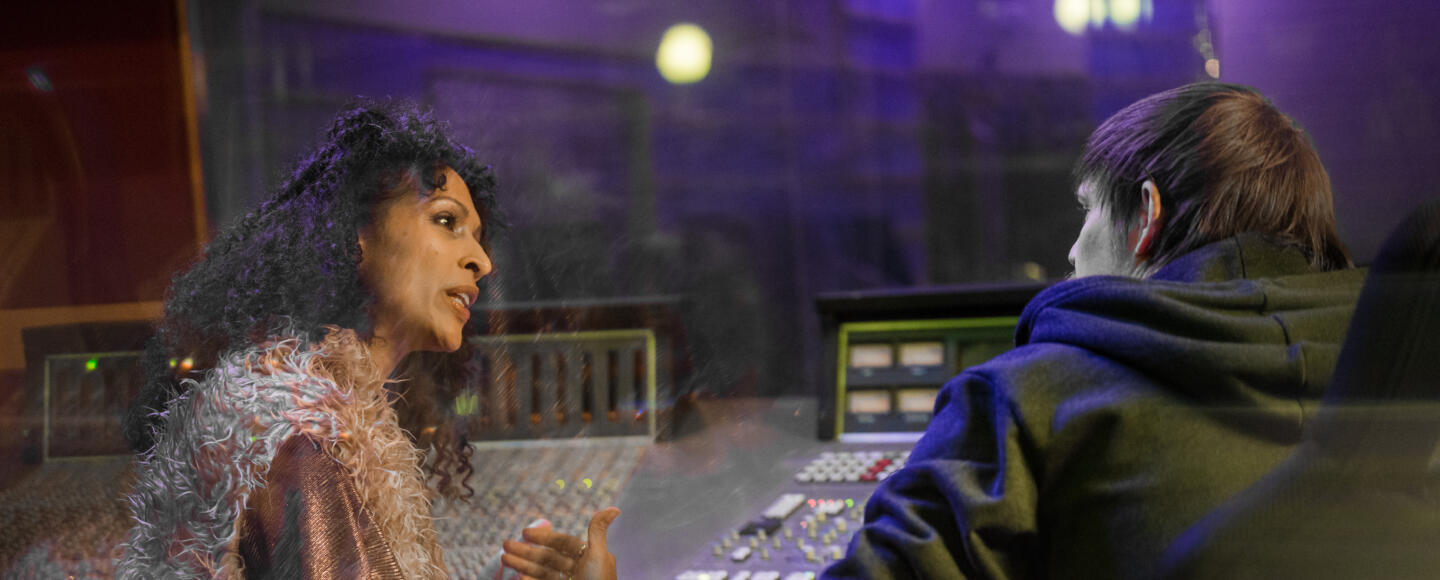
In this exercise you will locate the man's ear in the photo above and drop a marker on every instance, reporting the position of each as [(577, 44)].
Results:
[(1152, 220)]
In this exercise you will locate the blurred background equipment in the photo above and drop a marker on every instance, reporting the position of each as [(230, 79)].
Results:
[(888, 352), (791, 510)]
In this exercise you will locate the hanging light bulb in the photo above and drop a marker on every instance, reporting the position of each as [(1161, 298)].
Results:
[(1071, 15), (1125, 13), (684, 54)]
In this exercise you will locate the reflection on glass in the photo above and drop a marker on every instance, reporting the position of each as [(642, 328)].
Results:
[(644, 163), (871, 356)]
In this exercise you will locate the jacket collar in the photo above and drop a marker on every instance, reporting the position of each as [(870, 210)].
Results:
[(1248, 256)]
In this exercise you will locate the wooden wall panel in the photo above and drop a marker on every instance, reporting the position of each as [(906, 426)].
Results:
[(99, 179)]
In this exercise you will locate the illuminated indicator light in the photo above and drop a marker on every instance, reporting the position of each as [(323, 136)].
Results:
[(1125, 13), (684, 54), (1212, 68), (871, 356), (917, 400), (561, 483), (91, 364), (1071, 15), (173, 362), (849, 503), (466, 404), (868, 401), (812, 503), (187, 364), (922, 354), (587, 482), (1034, 271)]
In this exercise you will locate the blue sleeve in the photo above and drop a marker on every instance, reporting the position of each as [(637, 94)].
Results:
[(964, 506)]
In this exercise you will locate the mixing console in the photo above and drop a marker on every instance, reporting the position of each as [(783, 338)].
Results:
[(65, 518), (564, 481), (807, 527)]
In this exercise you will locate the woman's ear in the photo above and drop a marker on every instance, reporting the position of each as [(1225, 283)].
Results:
[(362, 238), (1152, 220)]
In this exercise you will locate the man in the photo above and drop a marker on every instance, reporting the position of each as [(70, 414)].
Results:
[(1181, 366)]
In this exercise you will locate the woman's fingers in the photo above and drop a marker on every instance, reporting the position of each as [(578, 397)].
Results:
[(599, 525), (546, 554), (598, 563), (531, 569), (541, 555), (548, 537)]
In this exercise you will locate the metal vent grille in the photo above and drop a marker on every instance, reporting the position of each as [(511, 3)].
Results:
[(540, 386)]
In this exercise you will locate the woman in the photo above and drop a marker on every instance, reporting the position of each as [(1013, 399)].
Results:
[(285, 457)]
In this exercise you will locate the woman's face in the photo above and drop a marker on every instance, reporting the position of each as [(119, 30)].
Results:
[(422, 258)]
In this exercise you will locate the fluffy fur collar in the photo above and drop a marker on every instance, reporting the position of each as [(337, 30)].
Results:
[(221, 436)]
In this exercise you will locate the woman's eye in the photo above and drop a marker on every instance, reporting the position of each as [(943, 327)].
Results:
[(446, 221)]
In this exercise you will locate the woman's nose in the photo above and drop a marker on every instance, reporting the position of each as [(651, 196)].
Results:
[(478, 263)]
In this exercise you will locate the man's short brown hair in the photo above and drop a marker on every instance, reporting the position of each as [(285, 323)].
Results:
[(1226, 161)]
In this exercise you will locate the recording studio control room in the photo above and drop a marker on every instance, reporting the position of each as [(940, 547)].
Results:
[(719, 290)]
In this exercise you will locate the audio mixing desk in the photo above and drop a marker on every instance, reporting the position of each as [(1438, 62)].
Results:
[(750, 495)]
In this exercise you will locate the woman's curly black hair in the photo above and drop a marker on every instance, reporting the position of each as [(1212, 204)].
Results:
[(292, 267)]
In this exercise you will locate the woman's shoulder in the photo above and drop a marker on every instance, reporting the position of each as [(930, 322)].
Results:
[(287, 383), (223, 433), (338, 360), (251, 373)]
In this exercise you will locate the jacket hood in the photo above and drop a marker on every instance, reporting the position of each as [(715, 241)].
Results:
[(1242, 321)]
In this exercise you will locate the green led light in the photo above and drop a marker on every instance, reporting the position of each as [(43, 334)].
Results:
[(173, 362), (91, 364), (467, 404), (849, 503)]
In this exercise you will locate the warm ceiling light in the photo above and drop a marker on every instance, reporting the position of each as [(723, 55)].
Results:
[(684, 55), (1072, 15)]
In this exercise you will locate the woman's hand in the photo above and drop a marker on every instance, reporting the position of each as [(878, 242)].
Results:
[(550, 555)]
